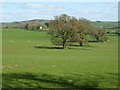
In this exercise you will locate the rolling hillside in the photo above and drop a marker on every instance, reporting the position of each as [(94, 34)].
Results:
[(105, 24)]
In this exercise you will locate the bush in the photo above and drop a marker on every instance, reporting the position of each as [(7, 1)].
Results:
[(103, 38)]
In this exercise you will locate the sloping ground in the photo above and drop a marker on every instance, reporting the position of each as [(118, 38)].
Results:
[(25, 66), (105, 24)]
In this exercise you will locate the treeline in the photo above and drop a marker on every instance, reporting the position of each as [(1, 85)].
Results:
[(67, 29), (35, 26), (28, 25)]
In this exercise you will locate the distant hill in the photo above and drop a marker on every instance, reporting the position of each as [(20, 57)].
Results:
[(106, 24), (18, 24)]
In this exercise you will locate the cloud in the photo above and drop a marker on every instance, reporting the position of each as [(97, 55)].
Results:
[(93, 11), (30, 5), (43, 6), (44, 10), (60, 0)]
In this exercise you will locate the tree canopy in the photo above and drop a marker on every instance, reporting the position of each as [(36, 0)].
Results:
[(66, 28)]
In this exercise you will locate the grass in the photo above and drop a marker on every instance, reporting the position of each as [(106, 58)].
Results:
[(106, 24), (24, 65)]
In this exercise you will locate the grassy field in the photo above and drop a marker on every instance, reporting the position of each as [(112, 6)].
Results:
[(106, 24), (26, 66)]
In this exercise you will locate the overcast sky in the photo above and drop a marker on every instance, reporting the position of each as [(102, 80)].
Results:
[(19, 11)]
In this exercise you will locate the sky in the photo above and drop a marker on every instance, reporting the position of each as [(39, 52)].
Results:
[(94, 11)]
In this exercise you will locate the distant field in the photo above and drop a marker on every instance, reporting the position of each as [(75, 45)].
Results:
[(95, 65), (106, 24), (101, 23)]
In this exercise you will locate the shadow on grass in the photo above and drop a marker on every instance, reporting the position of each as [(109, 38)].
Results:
[(27, 80), (81, 46), (116, 74), (47, 47), (93, 41)]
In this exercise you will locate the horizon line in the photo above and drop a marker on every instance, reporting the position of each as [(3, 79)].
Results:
[(51, 19)]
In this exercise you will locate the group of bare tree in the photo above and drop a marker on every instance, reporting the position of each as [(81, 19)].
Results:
[(66, 29)]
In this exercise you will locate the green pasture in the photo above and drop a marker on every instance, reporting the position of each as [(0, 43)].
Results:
[(31, 61)]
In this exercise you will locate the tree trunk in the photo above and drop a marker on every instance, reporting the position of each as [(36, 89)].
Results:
[(97, 39), (81, 43), (64, 44)]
